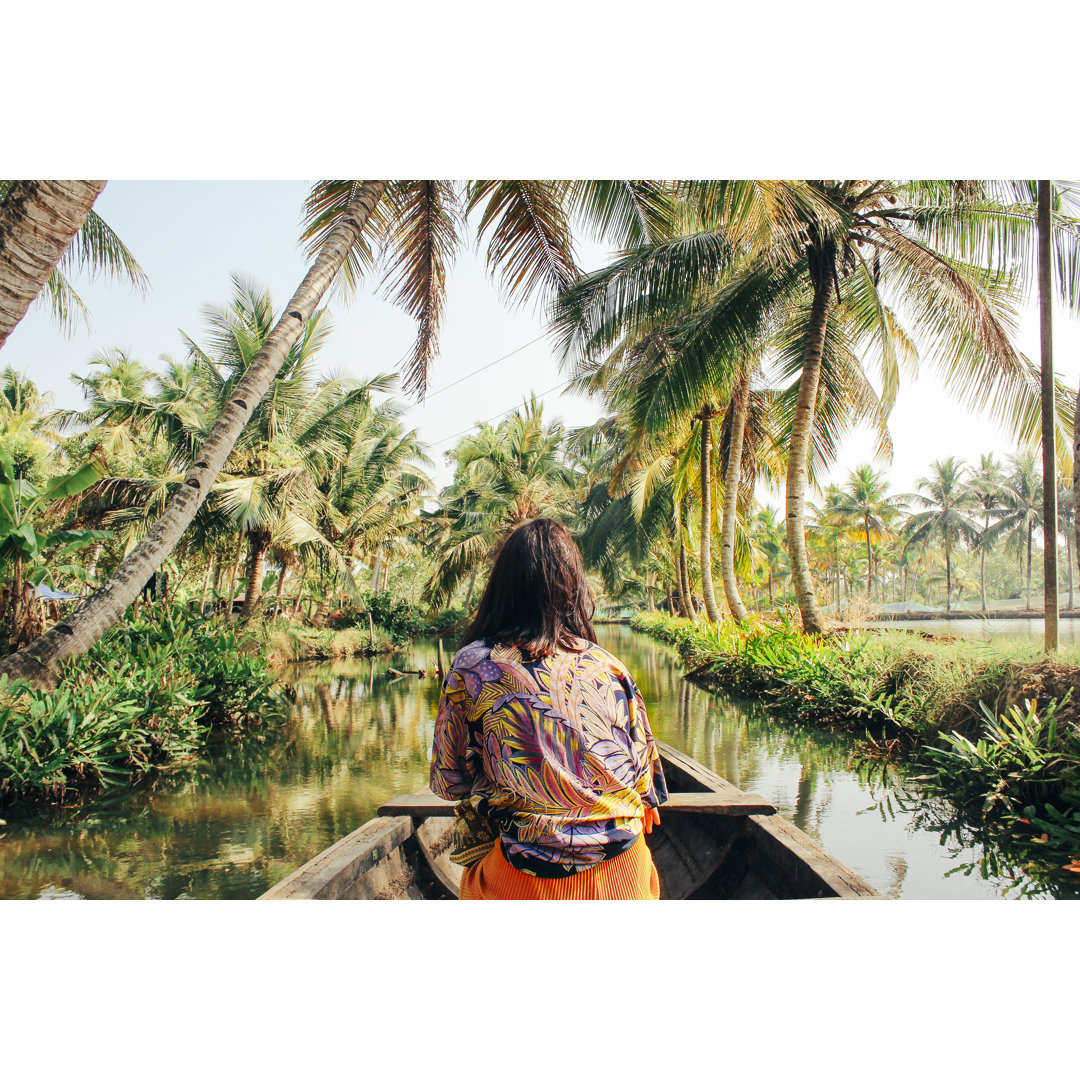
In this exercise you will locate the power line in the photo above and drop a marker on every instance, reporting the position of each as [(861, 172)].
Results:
[(499, 416), (448, 386)]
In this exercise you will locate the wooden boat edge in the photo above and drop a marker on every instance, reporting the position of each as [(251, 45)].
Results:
[(385, 850)]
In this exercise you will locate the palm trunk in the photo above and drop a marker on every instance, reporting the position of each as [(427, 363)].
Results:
[(1030, 531), (982, 561), (38, 220), (839, 605), (1046, 349), (1076, 507), (260, 544), (798, 455), (1068, 563), (472, 584), (299, 594), (104, 607), (982, 577), (234, 575), (685, 601), (377, 570), (948, 575), (280, 590), (205, 585), (706, 416), (95, 555), (869, 559), (740, 403)]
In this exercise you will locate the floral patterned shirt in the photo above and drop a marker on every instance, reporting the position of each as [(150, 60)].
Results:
[(558, 751)]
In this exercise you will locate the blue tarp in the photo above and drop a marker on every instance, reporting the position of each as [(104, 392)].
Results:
[(43, 592)]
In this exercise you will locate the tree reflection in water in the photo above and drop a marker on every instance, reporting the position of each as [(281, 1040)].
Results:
[(253, 809)]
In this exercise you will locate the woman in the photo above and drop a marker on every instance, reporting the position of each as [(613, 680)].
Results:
[(545, 734)]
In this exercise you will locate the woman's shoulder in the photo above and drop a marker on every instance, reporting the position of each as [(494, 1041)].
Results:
[(602, 658), (470, 655)]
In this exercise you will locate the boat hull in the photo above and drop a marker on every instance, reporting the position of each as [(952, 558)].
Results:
[(697, 856)]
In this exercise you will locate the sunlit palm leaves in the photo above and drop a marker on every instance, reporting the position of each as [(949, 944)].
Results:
[(96, 250)]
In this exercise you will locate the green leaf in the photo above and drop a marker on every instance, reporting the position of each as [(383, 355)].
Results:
[(73, 483)]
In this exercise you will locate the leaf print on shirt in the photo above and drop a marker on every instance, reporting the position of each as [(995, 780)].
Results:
[(559, 748)]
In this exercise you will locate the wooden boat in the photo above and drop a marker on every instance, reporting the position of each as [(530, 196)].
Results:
[(714, 842)]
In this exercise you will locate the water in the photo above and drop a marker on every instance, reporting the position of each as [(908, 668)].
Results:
[(252, 812), (1025, 630)]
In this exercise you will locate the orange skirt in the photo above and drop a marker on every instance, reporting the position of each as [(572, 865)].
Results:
[(630, 875)]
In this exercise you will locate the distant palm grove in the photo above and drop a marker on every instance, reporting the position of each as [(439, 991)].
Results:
[(738, 334)]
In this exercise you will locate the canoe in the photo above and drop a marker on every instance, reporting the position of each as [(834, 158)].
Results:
[(714, 842)]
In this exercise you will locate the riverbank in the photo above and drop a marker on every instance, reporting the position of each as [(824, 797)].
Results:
[(148, 696), (249, 811), (996, 728), (288, 643), (949, 616)]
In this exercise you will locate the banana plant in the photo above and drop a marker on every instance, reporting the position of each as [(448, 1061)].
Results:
[(28, 555)]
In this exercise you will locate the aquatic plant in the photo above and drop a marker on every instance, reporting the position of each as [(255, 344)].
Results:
[(148, 694)]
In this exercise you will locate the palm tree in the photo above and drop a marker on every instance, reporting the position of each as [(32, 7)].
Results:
[(985, 486), (371, 498), (1066, 502), (504, 476), (38, 220), (1046, 353), (865, 503), (76, 633), (768, 540), (862, 241), (300, 431), (1021, 495), (946, 500)]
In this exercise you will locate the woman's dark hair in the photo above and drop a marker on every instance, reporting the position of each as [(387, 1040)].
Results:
[(536, 597)]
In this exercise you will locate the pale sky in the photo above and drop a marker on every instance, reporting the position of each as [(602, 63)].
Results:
[(190, 236)]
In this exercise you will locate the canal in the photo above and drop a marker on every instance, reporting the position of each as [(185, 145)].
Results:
[(252, 811)]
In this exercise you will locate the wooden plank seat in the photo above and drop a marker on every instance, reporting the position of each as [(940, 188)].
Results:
[(734, 803)]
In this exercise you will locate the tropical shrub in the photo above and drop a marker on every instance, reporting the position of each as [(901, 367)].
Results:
[(149, 693)]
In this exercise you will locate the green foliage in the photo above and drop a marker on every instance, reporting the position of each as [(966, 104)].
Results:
[(1020, 758), (148, 694), (398, 619), (1019, 780), (1016, 778)]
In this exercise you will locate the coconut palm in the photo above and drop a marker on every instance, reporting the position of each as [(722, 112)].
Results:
[(1066, 506), (947, 501), (985, 485), (504, 475), (1021, 494), (768, 539), (864, 242), (372, 496), (38, 221), (864, 504)]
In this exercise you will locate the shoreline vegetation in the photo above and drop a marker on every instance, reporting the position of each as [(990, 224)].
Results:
[(157, 688), (993, 729), (164, 683)]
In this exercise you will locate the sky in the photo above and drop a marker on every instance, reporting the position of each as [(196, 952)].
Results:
[(191, 236)]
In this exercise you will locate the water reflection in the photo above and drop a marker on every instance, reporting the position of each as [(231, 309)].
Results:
[(1025, 630), (254, 810)]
